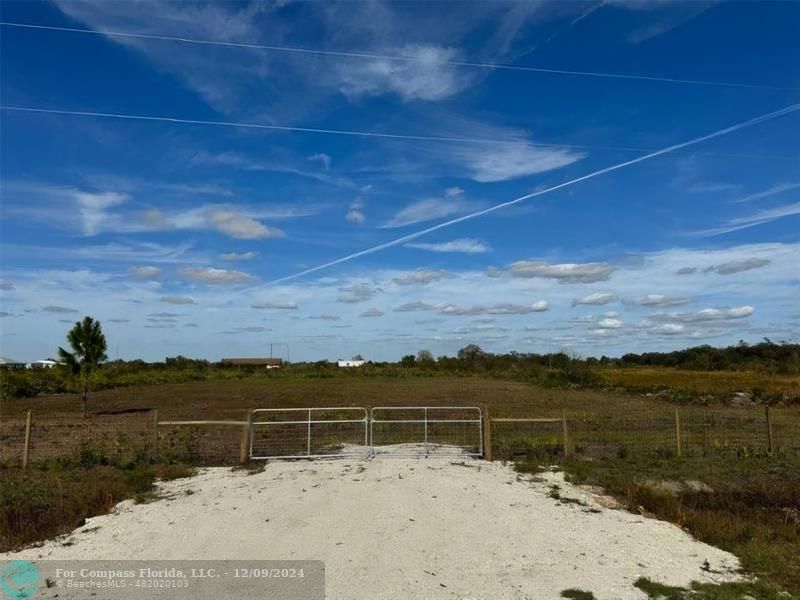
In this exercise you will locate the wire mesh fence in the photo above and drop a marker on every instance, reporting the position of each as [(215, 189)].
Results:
[(661, 431), (117, 438), (419, 431), (208, 444)]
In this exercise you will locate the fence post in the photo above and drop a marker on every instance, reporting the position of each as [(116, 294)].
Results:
[(487, 433), (677, 432), (564, 426), (244, 446), (26, 448), (770, 440), (155, 435)]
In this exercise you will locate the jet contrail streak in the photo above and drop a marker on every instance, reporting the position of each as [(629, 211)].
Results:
[(412, 236)]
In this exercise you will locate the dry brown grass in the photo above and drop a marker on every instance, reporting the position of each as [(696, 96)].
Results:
[(702, 383)]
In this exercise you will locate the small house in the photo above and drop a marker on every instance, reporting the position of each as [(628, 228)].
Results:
[(10, 363), (351, 363), (42, 364)]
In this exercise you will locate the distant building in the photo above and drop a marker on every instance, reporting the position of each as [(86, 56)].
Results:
[(42, 364), (351, 363), (10, 363), (267, 363)]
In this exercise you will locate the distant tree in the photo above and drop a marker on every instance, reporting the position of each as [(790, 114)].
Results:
[(425, 356), (89, 347), (470, 353), (358, 357), (408, 361)]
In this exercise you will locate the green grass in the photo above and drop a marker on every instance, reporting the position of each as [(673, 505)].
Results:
[(54, 497)]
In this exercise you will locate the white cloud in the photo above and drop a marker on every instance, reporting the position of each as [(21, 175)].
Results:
[(464, 245), (355, 215), (275, 305), (452, 192), (233, 256), (145, 272), (564, 273), (414, 307), (738, 266), (357, 292), (495, 309), (216, 276), (775, 189), (239, 226), (659, 300), (670, 329), (609, 323), (420, 277), (706, 315), (94, 207), (178, 300), (427, 210), (58, 309), (502, 162), (323, 159), (597, 298), (424, 78), (761, 217)]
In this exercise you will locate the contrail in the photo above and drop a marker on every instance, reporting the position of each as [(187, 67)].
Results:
[(572, 23), (353, 132), (412, 236), (373, 56)]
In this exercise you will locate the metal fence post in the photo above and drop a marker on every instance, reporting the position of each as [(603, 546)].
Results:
[(677, 432), (27, 447), (487, 433), (770, 440), (244, 446)]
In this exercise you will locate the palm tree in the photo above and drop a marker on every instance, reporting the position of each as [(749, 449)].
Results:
[(88, 350)]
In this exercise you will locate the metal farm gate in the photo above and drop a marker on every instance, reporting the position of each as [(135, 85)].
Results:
[(426, 431), (308, 433), (443, 431)]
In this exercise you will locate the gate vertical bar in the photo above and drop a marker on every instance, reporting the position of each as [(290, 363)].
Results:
[(308, 450), (426, 431), (480, 432)]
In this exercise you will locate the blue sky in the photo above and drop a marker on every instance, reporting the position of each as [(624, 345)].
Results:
[(173, 234)]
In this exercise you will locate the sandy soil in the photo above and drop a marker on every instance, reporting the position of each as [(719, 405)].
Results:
[(404, 528)]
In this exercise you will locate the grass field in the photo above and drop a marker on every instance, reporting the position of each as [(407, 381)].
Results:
[(621, 441), (703, 385)]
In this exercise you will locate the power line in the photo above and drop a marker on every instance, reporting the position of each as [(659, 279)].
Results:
[(397, 57), (412, 236), (346, 132)]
